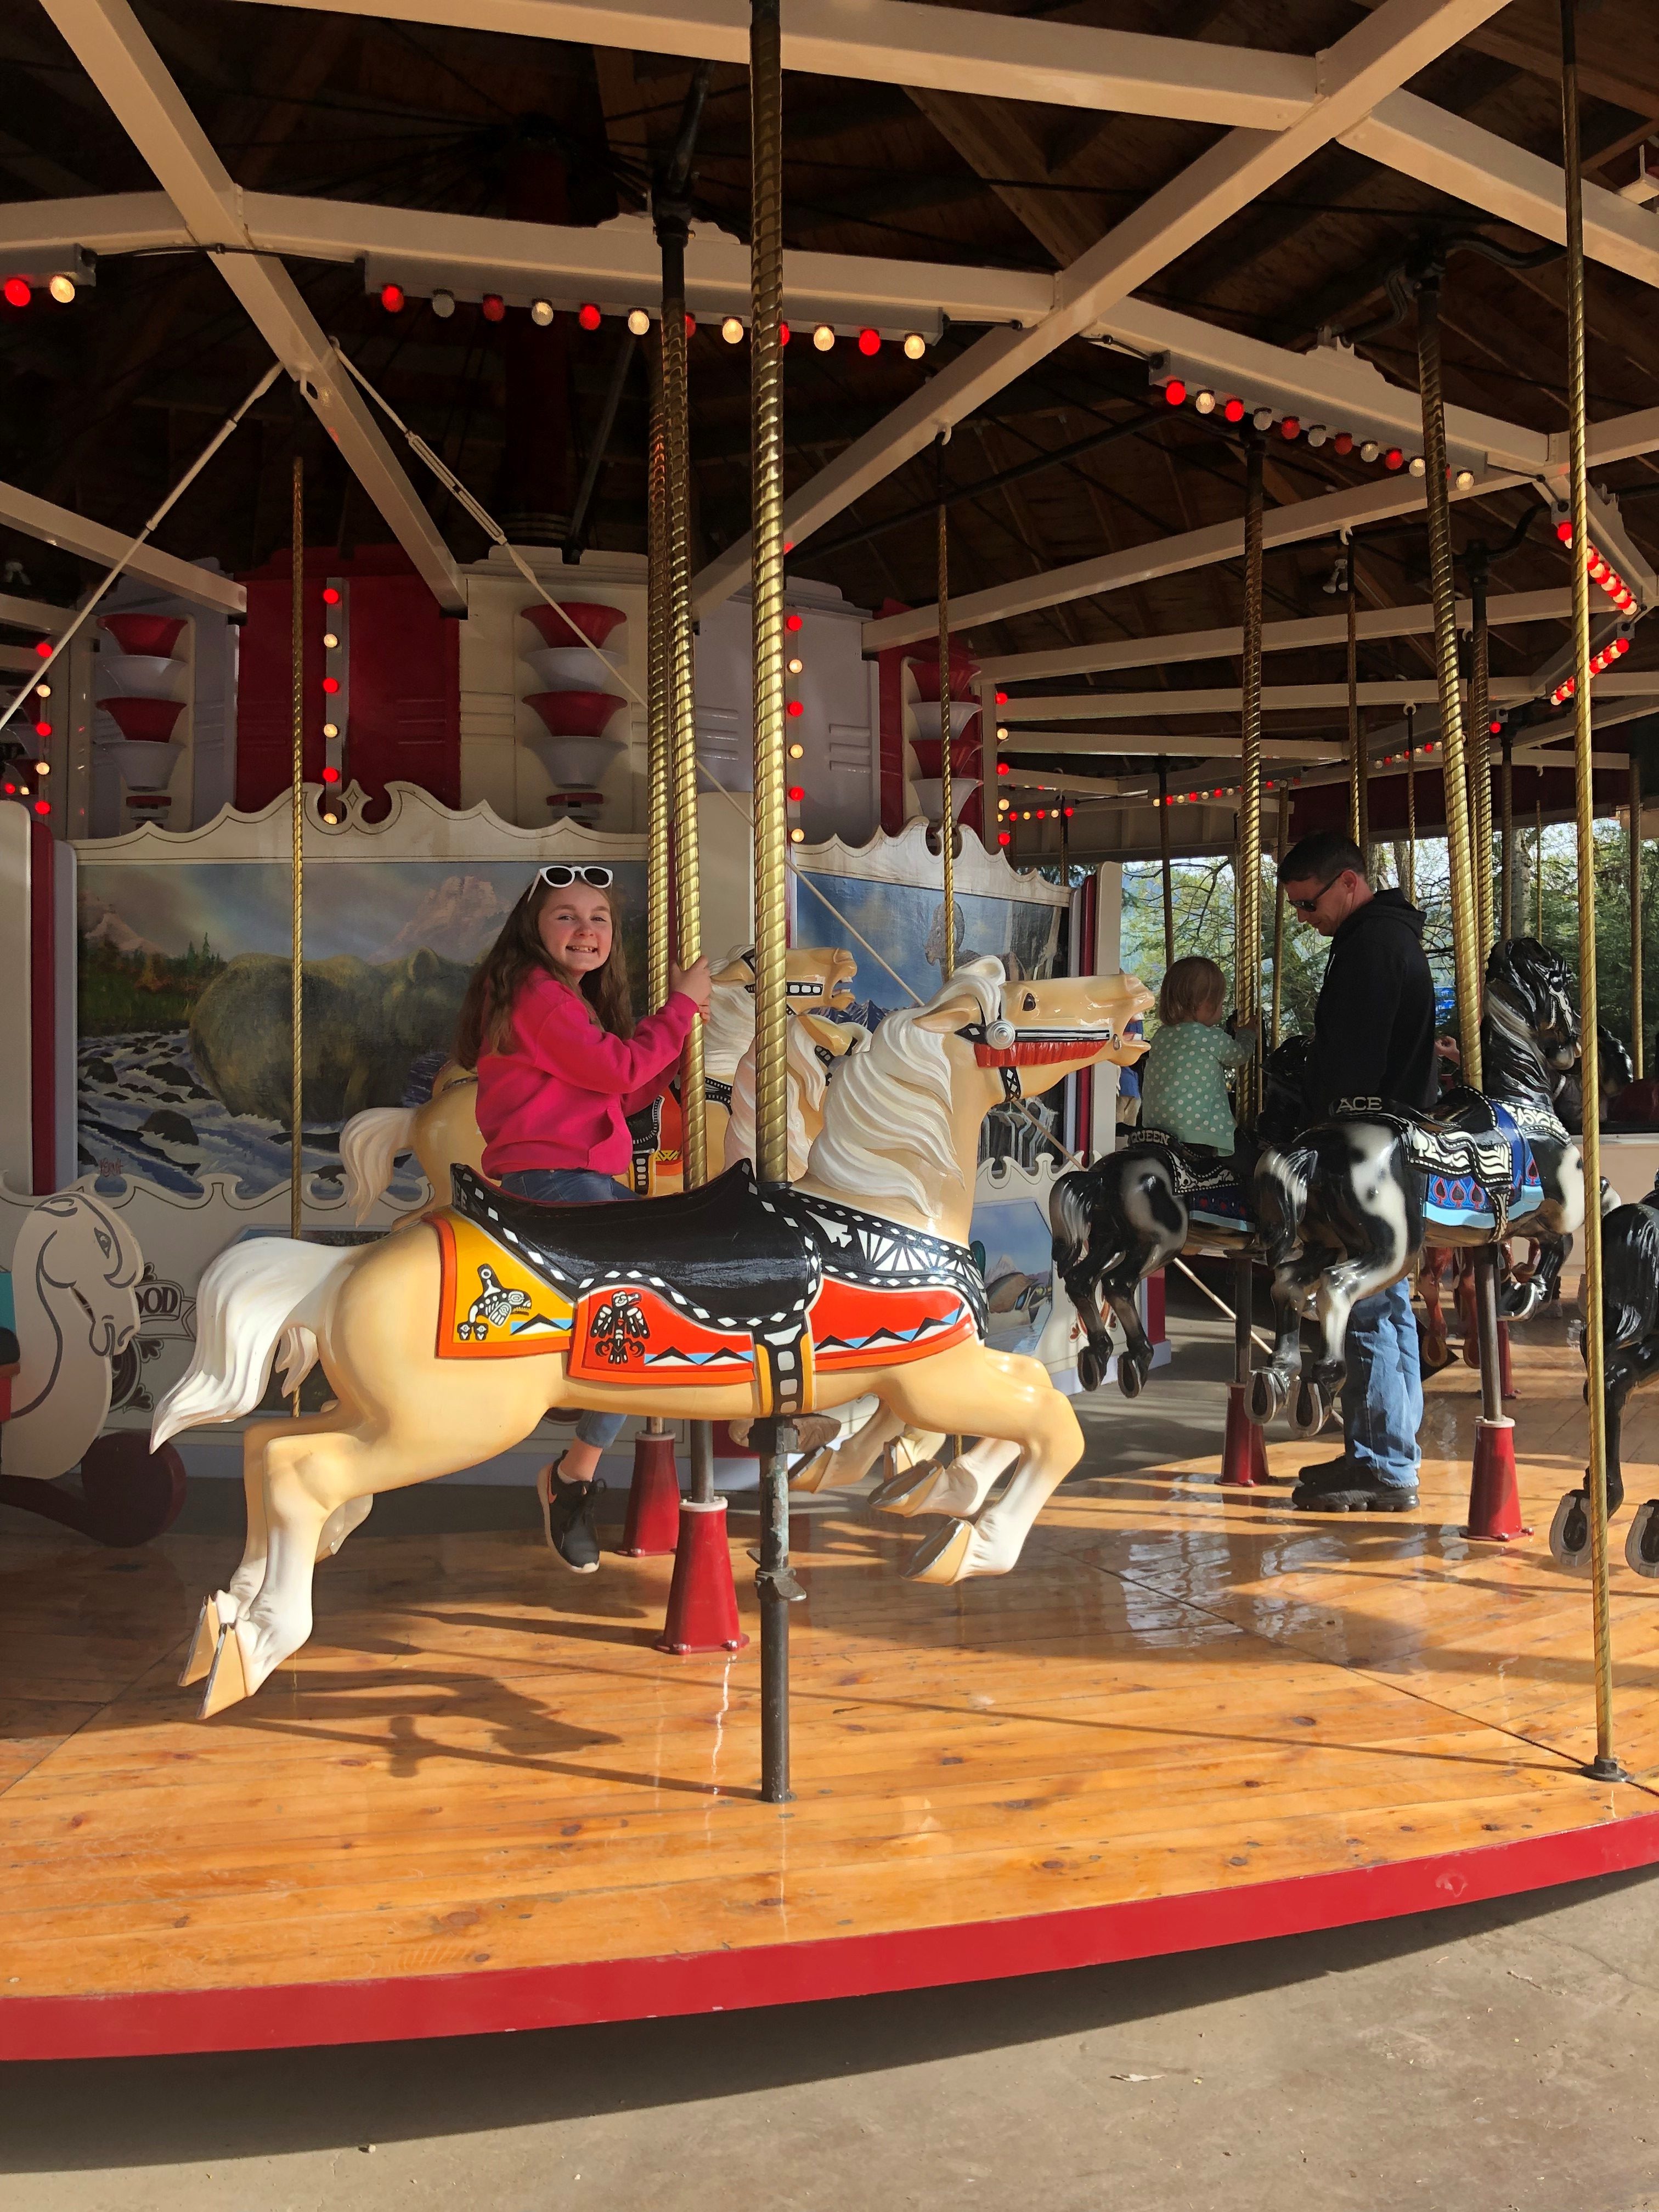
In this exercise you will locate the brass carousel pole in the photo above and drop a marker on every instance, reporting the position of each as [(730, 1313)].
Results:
[(297, 641), (1358, 828), (947, 817), (659, 741), (774, 1581), (1538, 869), (1637, 1010), (676, 711), (1454, 768), (1604, 1767), (1242, 1458), (1163, 851), (1507, 922), (1479, 752)]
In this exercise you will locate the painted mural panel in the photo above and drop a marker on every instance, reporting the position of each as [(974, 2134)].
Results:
[(185, 985), (905, 923)]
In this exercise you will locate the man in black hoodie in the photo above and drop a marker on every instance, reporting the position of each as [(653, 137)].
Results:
[(1373, 1043)]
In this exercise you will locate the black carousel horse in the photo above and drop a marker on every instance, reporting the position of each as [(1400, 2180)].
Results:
[(1134, 1210), (1345, 1208), (1629, 1342)]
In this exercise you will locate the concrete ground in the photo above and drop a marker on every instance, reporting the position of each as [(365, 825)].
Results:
[(1498, 2058)]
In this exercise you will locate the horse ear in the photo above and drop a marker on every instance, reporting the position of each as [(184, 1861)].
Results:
[(955, 1015)]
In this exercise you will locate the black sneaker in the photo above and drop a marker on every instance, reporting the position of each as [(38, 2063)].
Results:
[(567, 1520), (1339, 1486), (1323, 1470)]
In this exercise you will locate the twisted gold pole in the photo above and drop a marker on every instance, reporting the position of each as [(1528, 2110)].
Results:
[(1246, 953), (947, 822), (1454, 767), (1357, 823), (771, 822), (1637, 1013), (1506, 926), (1538, 868), (659, 704), (682, 671), (1410, 884), (1604, 1767), (1479, 752)]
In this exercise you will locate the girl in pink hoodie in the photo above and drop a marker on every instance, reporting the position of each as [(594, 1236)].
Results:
[(562, 1064)]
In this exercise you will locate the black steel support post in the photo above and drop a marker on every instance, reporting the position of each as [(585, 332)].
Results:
[(777, 1588)]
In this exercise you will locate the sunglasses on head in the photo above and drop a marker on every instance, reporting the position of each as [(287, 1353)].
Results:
[(559, 877)]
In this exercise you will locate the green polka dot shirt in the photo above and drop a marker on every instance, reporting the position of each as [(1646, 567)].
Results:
[(1183, 1087)]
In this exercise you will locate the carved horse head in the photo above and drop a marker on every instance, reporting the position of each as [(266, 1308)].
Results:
[(1528, 1000), (71, 1244)]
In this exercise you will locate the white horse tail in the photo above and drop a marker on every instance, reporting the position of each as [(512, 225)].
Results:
[(369, 1146), (262, 1294)]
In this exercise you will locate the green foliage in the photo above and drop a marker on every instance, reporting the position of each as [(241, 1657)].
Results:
[(125, 991)]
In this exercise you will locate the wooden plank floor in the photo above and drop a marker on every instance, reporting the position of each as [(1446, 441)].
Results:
[(480, 1763)]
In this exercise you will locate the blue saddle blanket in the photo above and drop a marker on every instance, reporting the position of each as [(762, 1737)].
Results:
[(1460, 1201)]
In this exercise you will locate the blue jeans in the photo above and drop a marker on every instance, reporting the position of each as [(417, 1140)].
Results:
[(573, 1187), (1383, 1396)]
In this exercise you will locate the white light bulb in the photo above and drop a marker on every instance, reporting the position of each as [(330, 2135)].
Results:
[(1417, 465), (62, 290), (330, 729), (797, 753), (330, 641), (1002, 733), (1317, 433), (1369, 450), (541, 312), (824, 338), (443, 305), (798, 836), (43, 691), (1464, 480), (1262, 417), (732, 331), (1205, 401), (794, 666), (639, 322), (915, 346), (43, 767)]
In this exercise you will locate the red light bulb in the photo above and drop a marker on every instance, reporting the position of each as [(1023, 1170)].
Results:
[(783, 334), (1071, 811), (391, 298), (1343, 442), (331, 684), (1289, 428), (1564, 531), (791, 621), (330, 597), (1002, 767), (796, 794), (1002, 698), (495, 307), (17, 292), (1175, 392), (330, 775), (1004, 838), (43, 646), (869, 342), (589, 316), (43, 729), (1233, 410), (795, 708), (42, 807), (691, 325), (1394, 459)]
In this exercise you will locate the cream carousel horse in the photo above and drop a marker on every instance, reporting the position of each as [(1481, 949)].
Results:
[(730, 1302), (445, 1130)]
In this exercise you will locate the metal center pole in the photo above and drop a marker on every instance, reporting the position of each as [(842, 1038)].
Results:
[(1604, 1767), (1163, 851), (1637, 1013), (297, 641), (774, 1581), (947, 830), (1454, 769), (1479, 753), (1358, 827)]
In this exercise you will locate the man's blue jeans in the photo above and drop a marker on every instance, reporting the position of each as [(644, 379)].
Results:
[(573, 1187), (1383, 1396)]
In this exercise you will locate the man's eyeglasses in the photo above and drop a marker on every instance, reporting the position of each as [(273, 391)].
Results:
[(559, 877), (1310, 905)]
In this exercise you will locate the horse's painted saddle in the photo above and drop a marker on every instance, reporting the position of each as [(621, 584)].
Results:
[(735, 1283), (1475, 1159), (1203, 1178)]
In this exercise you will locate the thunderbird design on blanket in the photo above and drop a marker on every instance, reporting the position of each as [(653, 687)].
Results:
[(744, 1284)]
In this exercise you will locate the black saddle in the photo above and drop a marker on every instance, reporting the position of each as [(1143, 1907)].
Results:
[(1194, 1168), (723, 1254)]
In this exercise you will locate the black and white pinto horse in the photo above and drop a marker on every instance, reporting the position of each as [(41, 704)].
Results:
[(1134, 1211), (1630, 1341), (1347, 1208)]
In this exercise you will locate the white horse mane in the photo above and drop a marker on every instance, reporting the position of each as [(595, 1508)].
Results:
[(728, 1029), (804, 1087), (887, 1118)]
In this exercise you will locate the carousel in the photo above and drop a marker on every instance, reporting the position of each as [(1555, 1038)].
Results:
[(953, 1685)]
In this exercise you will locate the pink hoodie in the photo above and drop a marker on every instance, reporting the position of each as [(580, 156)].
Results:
[(561, 1100)]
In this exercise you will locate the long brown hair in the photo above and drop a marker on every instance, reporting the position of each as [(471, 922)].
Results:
[(486, 1020)]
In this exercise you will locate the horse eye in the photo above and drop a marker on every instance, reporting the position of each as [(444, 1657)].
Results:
[(1028, 1004), (104, 1244)]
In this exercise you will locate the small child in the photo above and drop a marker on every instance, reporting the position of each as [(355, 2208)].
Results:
[(1183, 1089)]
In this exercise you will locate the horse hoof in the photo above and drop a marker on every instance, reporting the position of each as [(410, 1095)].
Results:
[(1309, 1414), (1641, 1545), (217, 1615), (229, 1683), (813, 1472), (943, 1557), (1130, 1380), (1091, 1370), (906, 1492), (1266, 1396), (1569, 1532)]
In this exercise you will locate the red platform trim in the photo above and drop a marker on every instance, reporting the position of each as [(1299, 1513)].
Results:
[(305, 2012)]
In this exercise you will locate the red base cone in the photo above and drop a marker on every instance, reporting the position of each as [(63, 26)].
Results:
[(703, 1602), (1244, 1455), (1494, 1501), (653, 1500)]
